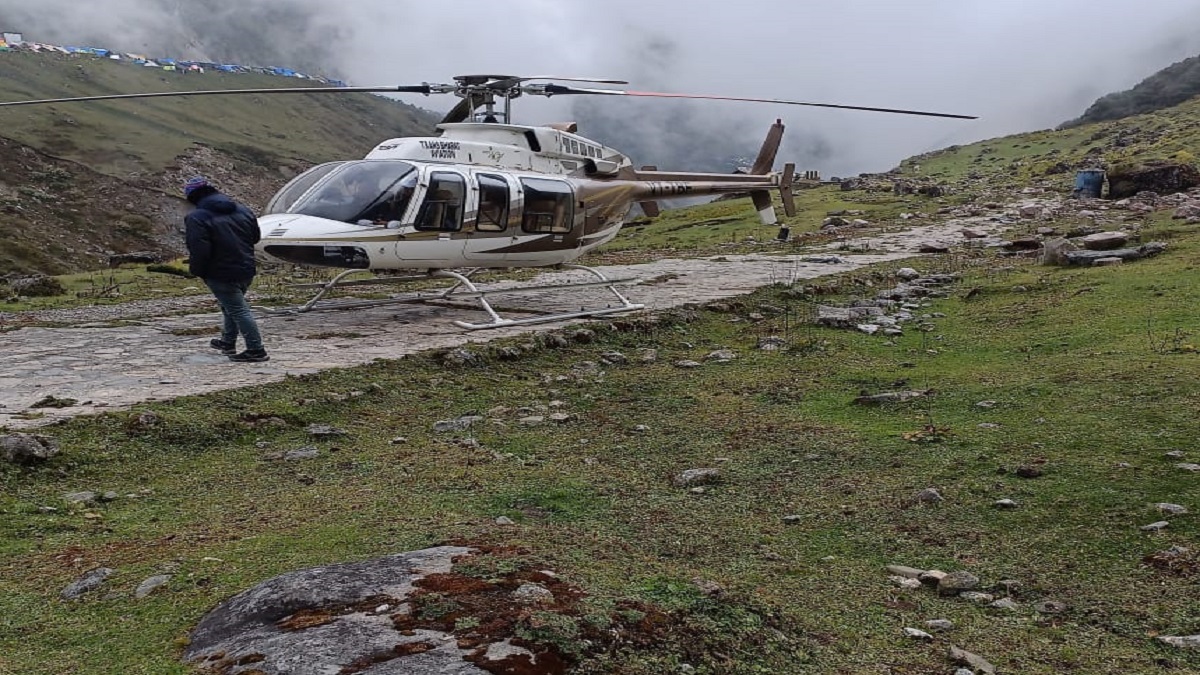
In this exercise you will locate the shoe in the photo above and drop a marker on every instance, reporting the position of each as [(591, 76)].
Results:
[(250, 356), (222, 346)]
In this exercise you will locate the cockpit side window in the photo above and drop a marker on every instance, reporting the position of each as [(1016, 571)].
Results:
[(493, 204), (548, 206), (442, 209)]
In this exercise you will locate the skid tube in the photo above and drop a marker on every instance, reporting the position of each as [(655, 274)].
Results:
[(311, 305), (481, 296), (471, 292)]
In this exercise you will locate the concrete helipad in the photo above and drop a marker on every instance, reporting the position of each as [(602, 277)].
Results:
[(162, 357)]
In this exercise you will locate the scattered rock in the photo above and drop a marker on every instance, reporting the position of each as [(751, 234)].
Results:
[(693, 477), (1105, 241), (1006, 604), (1029, 471), (771, 344), (939, 625), (709, 588), (614, 358), (905, 582), (977, 597), (931, 577), (504, 520), (1005, 504), (1051, 607), (928, 496), (891, 397), (308, 452), (459, 424), (1155, 527), (687, 363), (27, 448), (917, 634), (721, 356), (86, 583), (1184, 642), (83, 498), (323, 431), (1188, 466), (793, 519), (533, 594), (906, 572), (978, 663), (957, 582), (150, 585), (1171, 509)]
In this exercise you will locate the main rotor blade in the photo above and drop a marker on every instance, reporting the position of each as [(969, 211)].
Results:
[(555, 90), (505, 81), (402, 89)]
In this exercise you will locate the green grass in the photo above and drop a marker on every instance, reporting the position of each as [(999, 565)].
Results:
[(1081, 386)]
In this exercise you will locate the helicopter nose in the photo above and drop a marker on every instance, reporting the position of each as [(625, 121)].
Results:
[(307, 240), (275, 225)]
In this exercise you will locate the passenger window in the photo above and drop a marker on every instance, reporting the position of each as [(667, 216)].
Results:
[(493, 204), (548, 206), (443, 206)]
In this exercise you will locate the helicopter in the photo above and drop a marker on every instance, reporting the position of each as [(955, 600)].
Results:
[(487, 193)]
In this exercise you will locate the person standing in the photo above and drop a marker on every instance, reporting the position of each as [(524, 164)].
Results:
[(221, 234)]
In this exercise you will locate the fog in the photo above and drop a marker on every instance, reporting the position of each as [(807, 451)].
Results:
[(1019, 65)]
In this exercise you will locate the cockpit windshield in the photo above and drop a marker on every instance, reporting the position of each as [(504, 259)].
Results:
[(366, 192)]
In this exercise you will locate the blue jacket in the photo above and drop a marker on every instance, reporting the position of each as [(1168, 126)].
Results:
[(221, 235)]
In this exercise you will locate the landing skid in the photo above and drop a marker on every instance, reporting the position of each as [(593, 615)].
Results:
[(472, 292)]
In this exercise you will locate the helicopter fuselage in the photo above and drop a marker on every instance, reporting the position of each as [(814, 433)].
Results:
[(479, 195)]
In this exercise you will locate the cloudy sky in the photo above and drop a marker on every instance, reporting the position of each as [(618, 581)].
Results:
[(1018, 64)]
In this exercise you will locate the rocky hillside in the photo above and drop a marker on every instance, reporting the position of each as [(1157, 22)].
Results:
[(1137, 148), (1168, 87), (81, 181)]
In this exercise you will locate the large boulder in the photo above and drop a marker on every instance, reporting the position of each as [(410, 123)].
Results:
[(1161, 177), (417, 612), (327, 620), (39, 286), (26, 448)]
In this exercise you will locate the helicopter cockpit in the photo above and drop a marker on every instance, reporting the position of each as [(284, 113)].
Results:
[(363, 192)]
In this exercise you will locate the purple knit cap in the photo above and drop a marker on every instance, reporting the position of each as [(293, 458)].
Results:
[(195, 183)]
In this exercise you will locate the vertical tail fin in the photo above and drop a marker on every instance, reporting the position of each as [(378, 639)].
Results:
[(762, 166)]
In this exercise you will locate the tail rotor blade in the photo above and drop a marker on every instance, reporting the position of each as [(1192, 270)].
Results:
[(557, 90)]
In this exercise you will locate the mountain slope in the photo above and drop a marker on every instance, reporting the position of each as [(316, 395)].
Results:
[(1168, 87), (1049, 158), (141, 148)]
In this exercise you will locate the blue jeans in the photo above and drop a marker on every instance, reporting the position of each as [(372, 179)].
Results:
[(231, 295)]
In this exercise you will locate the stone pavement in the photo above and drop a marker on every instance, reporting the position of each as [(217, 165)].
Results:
[(115, 367)]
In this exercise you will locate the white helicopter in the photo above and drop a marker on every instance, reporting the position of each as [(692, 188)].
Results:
[(486, 193)]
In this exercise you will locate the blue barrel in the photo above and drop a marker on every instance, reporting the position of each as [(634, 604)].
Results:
[(1089, 183)]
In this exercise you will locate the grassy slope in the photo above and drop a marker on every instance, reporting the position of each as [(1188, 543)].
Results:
[(1022, 159), (1080, 385), (118, 137)]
